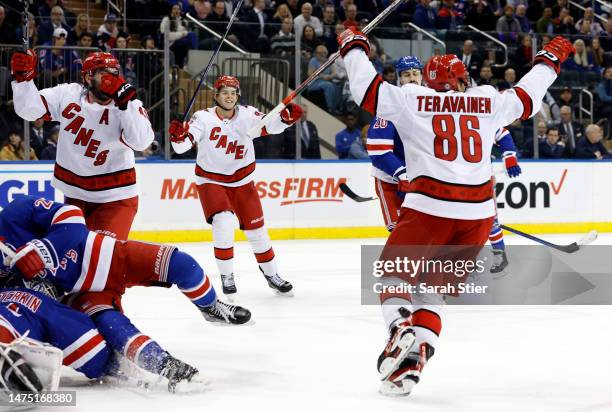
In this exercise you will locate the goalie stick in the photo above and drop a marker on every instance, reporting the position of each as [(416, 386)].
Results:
[(571, 248)]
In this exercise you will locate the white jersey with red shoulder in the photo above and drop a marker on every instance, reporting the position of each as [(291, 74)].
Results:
[(447, 136), (95, 150), (226, 155)]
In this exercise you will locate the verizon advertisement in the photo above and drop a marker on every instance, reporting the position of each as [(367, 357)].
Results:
[(307, 195)]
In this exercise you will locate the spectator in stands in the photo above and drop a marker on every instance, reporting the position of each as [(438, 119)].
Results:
[(582, 59), (309, 138), (486, 74), (8, 32), (560, 5), (509, 80), (309, 42), (599, 54), (38, 139), (588, 25), (570, 130), (32, 31), (590, 146), (375, 59), (550, 110), (108, 32), (564, 24), (81, 26), (324, 81), (283, 43), (254, 32), (85, 40), (480, 15), (13, 149), (46, 29), (318, 8), (523, 56), (606, 37), (471, 61), (282, 12), (551, 147), (424, 16), (147, 67), (566, 98), (521, 16), (307, 18), (358, 150), (541, 131), (201, 9), (59, 65), (604, 93), (293, 8), (545, 23), (218, 18), (545, 39), (389, 75), (329, 28), (126, 60), (49, 152), (535, 8), (507, 25), (345, 138), (351, 17), (448, 17), (181, 39)]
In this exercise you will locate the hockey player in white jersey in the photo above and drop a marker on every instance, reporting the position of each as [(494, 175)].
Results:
[(448, 131), (224, 175), (101, 124)]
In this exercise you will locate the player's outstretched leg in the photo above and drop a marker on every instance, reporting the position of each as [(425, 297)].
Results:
[(262, 248), (223, 241), (146, 353), (496, 238), (188, 275)]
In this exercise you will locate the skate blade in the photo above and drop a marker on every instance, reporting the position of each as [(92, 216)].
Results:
[(389, 365), (232, 325), (286, 294), (197, 384), (392, 389), (230, 297)]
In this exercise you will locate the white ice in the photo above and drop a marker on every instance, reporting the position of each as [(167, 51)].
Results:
[(318, 350)]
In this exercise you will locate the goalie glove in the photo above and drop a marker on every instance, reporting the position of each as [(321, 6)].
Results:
[(555, 53), (511, 163), (33, 258), (352, 38)]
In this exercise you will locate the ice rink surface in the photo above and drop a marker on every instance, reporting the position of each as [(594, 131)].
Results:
[(317, 351)]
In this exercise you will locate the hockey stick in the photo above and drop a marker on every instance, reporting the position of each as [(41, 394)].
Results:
[(254, 131), (212, 59), (347, 191), (571, 248)]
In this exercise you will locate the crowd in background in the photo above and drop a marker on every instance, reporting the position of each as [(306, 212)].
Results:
[(270, 28)]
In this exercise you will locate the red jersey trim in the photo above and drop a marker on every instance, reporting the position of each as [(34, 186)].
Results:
[(451, 192), (527, 102), (370, 98), (237, 176), (96, 183)]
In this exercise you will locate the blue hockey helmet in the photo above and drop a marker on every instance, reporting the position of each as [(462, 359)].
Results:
[(408, 63)]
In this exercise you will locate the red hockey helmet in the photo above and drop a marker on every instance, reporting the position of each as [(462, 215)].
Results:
[(227, 81), (99, 60), (443, 73)]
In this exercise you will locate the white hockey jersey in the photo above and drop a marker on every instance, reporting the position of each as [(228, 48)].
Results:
[(95, 150), (447, 137), (226, 155)]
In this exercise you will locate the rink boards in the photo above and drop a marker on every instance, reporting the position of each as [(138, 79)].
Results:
[(303, 199)]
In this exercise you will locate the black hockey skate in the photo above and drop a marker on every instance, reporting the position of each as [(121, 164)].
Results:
[(279, 284), (228, 284), (500, 261), (226, 313), (177, 372), (407, 373)]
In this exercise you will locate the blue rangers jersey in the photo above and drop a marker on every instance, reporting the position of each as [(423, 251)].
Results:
[(386, 150), (46, 320), (80, 260)]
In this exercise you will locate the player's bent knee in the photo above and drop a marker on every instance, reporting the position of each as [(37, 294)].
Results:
[(184, 270)]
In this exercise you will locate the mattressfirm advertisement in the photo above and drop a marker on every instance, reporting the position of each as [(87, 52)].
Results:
[(307, 195)]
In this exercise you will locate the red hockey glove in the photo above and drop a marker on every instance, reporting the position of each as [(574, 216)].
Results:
[(178, 131), (23, 65), (511, 162), (291, 113), (352, 38), (116, 87), (32, 258), (555, 53)]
